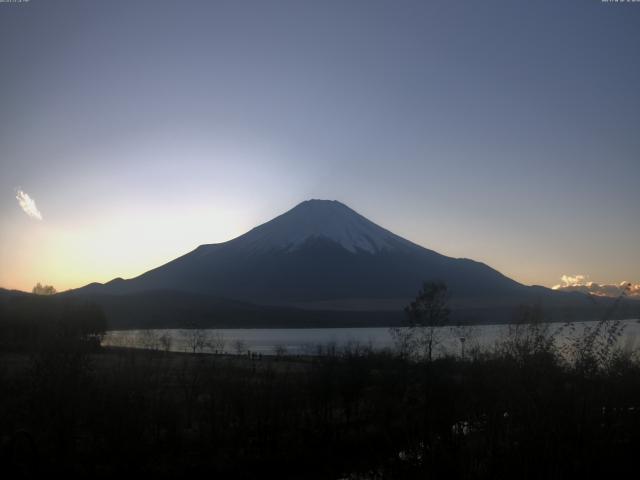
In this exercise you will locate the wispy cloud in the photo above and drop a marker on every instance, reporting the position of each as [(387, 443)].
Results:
[(579, 283), (28, 204)]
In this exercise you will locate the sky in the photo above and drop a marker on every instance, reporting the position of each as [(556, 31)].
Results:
[(504, 131)]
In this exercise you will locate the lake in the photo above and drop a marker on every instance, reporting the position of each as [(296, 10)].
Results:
[(306, 341)]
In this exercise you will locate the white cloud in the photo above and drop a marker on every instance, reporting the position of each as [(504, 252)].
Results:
[(28, 204), (579, 283), (568, 280)]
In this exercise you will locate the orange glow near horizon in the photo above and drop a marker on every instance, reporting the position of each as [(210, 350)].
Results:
[(70, 257)]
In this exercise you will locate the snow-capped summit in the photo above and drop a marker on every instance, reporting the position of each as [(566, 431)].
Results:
[(319, 250), (319, 256), (320, 220), (320, 264)]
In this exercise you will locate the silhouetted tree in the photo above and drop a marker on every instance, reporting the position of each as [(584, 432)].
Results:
[(40, 289), (166, 341), (426, 314), (239, 346), (529, 335), (196, 339)]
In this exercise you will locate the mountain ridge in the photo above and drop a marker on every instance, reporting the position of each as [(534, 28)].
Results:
[(323, 256), (316, 236)]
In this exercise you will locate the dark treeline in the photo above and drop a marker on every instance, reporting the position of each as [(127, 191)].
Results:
[(519, 411), (35, 322), (526, 408)]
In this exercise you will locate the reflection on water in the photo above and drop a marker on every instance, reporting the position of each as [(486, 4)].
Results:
[(307, 341)]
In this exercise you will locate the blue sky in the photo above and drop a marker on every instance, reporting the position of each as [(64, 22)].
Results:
[(504, 131)]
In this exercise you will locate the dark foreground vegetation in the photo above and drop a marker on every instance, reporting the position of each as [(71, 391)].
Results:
[(526, 409)]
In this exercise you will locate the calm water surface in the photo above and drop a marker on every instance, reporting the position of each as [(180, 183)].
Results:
[(305, 341)]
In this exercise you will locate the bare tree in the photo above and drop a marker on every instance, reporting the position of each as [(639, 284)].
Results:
[(165, 341), (215, 341), (425, 315), (528, 334), (239, 346), (195, 339), (403, 340), (149, 340)]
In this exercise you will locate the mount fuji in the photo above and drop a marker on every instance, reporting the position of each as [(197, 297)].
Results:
[(320, 263)]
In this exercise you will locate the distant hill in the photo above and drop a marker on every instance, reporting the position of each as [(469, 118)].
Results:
[(5, 293), (320, 263)]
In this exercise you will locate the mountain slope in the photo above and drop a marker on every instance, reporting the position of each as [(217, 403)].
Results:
[(323, 256), (318, 251)]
